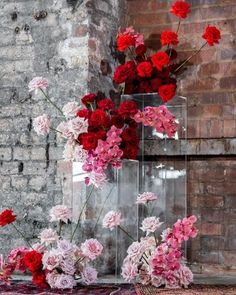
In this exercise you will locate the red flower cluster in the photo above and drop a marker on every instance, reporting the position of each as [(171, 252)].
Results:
[(101, 115), (158, 72), (33, 262), (7, 217)]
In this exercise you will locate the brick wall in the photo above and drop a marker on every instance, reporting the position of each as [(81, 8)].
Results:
[(66, 46), (209, 84)]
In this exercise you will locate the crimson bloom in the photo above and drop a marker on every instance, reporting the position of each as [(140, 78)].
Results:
[(180, 9), (169, 37), (105, 104), (160, 59), (125, 73), (141, 49), (83, 113), (7, 217), (99, 118), (33, 260), (211, 35), (88, 140), (127, 108), (167, 92), (89, 98), (144, 69), (39, 279), (124, 41)]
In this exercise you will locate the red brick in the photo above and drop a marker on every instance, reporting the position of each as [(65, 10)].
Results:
[(211, 229), (218, 69), (149, 20), (228, 83), (229, 258), (229, 128), (212, 111), (211, 202), (193, 130)]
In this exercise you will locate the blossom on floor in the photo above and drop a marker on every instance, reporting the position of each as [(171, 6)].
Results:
[(60, 213), (111, 220), (42, 124)]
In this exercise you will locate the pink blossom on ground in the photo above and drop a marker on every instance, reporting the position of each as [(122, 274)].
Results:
[(89, 275), (129, 271), (150, 224), (146, 197), (112, 219), (38, 83), (60, 213), (70, 109), (65, 282), (48, 236), (51, 259), (41, 125), (91, 248)]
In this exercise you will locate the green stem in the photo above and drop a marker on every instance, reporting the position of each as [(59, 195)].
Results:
[(126, 233), (178, 26), (22, 235), (81, 212), (53, 129), (60, 228), (48, 99), (103, 208), (190, 57)]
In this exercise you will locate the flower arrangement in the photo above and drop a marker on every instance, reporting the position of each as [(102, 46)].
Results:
[(144, 72), (54, 261), (152, 261)]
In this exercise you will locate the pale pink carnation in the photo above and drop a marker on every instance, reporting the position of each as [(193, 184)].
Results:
[(91, 249), (158, 281), (150, 224), (38, 83), (51, 259), (77, 126), (65, 131), (48, 236), (42, 124), (145, 198), (70, 109), (112, 219), (68, 266), (60, 213), (136, 250), (129, 271), (65, 282), (51, 278), (65, 247), (185, 276), (89, 275)]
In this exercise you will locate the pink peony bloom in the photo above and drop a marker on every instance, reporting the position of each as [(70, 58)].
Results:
[(65, 282), (129, 271), (89, 275), (112, 219), (70, 109), (68, 266), (51, 278), (42, 124), (60, 213), (145, 198), (51, 259), (91, 249), (48, 236), (38, 83), (150, 224)]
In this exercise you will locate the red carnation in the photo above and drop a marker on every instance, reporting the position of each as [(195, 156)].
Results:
[(99, 118), (124, 41), (144, 69), (33, 260), (155, 84), (105, 104), (145, 87), (89, 98), (141, 50), (39, 279), (160, 59), (7, 217), (88, 140), (84, 113), (167, 91), (101, 134), (130, 135), (180, 9), (127, 108), (125, 73), (117, 121), (169, 37), (130, 152), (212, 35)]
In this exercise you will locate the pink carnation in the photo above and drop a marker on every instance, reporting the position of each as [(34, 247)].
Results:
[(48, 236), (91, 248), (42, 124), (16, 257), (150, 224), (111, 220), (65, 281), (51, 259), (89, 275), (38, 83), (70, 109), (129, 271), (146, 197), (60, 213)]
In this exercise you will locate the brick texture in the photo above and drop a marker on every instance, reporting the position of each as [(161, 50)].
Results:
[(209, 85)]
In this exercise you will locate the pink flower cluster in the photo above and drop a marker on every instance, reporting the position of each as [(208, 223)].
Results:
[(106, 153), (112, 219), (160, 118)]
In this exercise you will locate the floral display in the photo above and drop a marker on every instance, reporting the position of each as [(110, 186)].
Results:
[(159, 262), (54, 261), (148, 72)]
